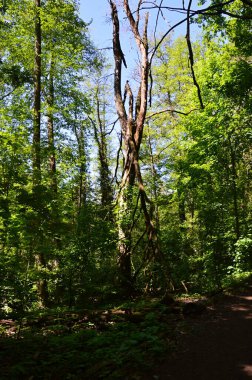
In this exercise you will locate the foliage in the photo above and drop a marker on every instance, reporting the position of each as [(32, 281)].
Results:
[(243, 255), (59, 345), (204, 175), (185, 219)]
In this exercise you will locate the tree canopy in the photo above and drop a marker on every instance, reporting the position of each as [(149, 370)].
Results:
[(112, 189)]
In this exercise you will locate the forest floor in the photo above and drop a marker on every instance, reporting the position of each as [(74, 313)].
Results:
[(219, 344), (192, 339)]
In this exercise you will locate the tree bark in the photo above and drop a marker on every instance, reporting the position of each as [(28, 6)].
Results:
[(53, 183), (50, 130), (100, 138), (234, 188), (39, 256), (82, 188), (132, 124), (37, 98)]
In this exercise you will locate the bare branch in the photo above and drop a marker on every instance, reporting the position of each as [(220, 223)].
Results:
[(113, 127), (136, 244), (157, 18), (172, 111), (190, 51), (138, 12), (133, 22), (134, 214), (118, 57), (240, 17), (190, 14), (141, 114)]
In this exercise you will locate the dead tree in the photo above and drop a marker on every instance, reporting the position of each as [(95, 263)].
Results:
[(132, 122)]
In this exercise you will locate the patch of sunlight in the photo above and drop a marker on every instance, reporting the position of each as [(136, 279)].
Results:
[(247, 368)]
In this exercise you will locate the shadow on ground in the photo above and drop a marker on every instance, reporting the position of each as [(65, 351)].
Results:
[(220, 347)]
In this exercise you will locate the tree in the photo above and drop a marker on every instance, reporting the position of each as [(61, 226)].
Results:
[(36, 161), (132, 125), (205, 152), (102, 130), (38, 84)]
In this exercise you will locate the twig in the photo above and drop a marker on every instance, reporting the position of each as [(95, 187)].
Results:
[(171, 110)]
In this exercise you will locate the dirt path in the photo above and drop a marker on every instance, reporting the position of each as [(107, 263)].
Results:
[(220, 347)]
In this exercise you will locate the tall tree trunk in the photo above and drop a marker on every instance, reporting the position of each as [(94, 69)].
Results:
[(105, 181), (132, 124), (82, 188), (50, 131), (39, 256), (100, 138), (55, 217), (234, 190), (154, 179), (181, 204), (124, 220), (37, 98)]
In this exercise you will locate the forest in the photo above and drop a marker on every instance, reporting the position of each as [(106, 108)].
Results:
[(118, 197)]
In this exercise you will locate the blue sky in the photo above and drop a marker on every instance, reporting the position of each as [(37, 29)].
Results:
[(101, 27)]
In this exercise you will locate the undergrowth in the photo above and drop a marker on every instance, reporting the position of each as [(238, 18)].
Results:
[(115, 341), (80, 345)]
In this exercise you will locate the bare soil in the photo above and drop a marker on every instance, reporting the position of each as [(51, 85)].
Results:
[(219, 344)]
